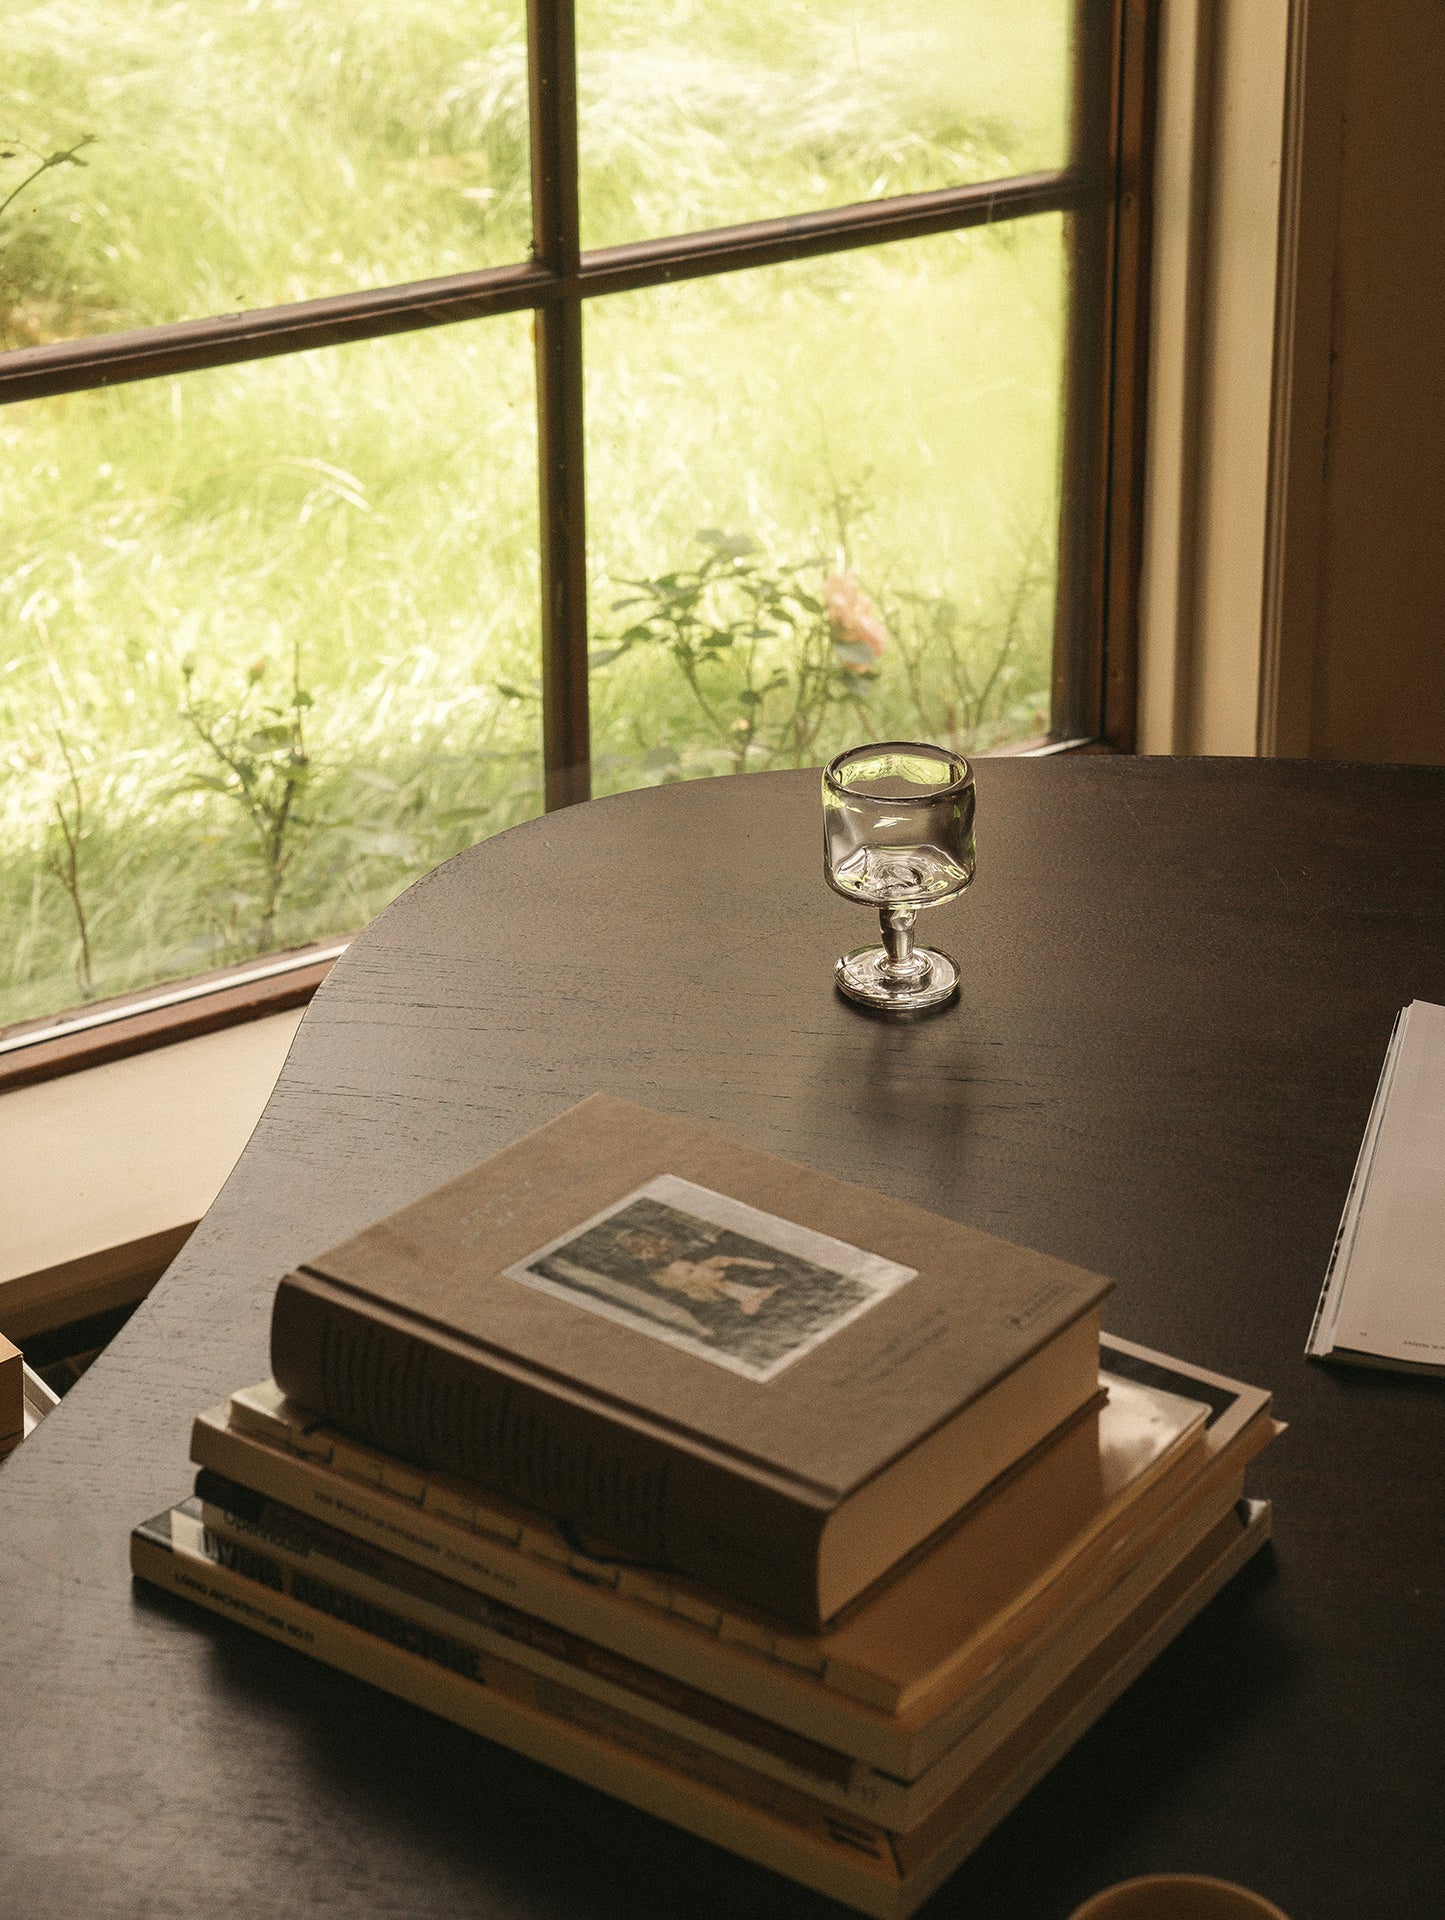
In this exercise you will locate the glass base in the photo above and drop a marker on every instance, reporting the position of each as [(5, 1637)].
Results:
[(868, 976)]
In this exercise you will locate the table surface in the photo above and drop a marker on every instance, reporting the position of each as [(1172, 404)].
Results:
[(1179, 979)]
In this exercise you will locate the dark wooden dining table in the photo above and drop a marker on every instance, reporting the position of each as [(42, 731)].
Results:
[(1179, 978)]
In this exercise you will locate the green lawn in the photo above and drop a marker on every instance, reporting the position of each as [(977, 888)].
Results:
[(874, 437)]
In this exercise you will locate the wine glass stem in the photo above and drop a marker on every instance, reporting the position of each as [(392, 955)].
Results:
[(897, 927)]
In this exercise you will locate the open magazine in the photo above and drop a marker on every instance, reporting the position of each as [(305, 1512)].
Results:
[(1383, 1302)]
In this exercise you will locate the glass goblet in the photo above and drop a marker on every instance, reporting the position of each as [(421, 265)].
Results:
[(898, 835)]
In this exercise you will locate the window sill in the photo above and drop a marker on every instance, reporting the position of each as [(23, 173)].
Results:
[(85, 1037), (112, 1167)]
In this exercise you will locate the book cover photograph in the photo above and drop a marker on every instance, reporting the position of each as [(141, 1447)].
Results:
[(712, 1275)]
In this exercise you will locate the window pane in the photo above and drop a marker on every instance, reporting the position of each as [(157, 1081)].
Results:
[(824, 505), (695, 114), (205, 578), (245, 153)]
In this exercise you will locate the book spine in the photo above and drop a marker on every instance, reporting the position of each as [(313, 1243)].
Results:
[(579, 1597), (849, 1859), (576, 1596), (413, 1393), (246, 1522), (881, 1874)]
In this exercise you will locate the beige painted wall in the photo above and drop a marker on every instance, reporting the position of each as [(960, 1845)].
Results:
[(1294, 573), (1223, 106), (1378, 685)]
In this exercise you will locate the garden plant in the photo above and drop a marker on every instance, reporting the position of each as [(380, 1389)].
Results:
[(822, 498)]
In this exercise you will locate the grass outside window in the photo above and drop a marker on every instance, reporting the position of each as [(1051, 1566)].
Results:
[(274, 641)]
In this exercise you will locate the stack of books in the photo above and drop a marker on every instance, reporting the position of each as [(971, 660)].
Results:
[(805, 1520)]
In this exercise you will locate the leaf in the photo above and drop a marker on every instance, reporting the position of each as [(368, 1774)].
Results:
[(604, 656), (854, 655), (728, 546)]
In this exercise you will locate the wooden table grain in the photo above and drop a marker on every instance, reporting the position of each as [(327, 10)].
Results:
[(1179, 979)]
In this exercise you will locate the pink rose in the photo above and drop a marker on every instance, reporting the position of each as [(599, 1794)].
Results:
[(859, 636)]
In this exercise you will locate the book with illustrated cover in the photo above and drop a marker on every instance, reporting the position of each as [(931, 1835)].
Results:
[(719, 1363), (712, 1360), (896, 1685), (861, 1862)]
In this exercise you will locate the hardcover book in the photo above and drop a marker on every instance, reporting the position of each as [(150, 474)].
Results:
[(717, 1362)]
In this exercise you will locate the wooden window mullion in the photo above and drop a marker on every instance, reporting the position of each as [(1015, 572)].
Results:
[(189, 346), (1102, 191), (1095, 667), (557, 246)]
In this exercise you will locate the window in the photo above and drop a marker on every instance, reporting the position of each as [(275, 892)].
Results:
[(343, 530)]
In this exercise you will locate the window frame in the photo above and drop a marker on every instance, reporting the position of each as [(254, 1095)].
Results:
[(1103, 190)]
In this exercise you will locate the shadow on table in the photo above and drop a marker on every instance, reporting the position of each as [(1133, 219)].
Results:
[(400, 1813), (395, 1800), (1107, 1806)]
